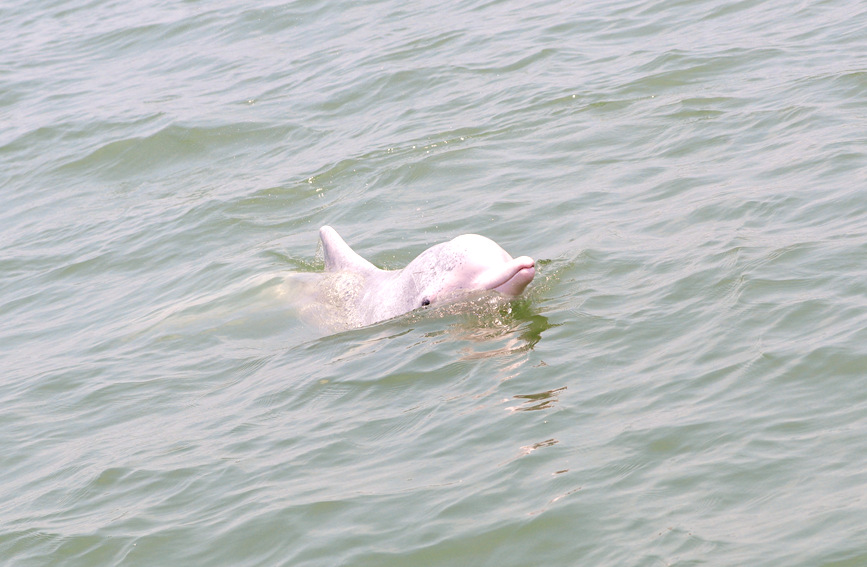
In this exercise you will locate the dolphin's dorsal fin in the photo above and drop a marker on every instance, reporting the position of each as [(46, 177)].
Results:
[(339, 256)]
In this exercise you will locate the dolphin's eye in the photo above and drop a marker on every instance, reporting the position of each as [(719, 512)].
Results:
[(425, 302)]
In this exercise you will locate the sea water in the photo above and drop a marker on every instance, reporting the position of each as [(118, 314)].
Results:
[(684, 383)]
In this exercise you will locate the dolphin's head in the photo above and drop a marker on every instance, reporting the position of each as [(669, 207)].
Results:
[(446, 271), (467, 263)]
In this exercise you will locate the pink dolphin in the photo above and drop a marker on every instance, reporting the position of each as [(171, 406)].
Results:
[(467, 263)]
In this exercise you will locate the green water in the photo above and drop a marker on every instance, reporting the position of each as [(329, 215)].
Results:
[(682, 384)]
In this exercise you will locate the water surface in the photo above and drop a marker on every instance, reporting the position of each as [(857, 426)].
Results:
[(682, 384)]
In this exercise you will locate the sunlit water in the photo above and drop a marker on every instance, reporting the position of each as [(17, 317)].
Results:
[(682, 384)]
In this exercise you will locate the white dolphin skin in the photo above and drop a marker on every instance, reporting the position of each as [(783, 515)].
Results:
[(467, 263)]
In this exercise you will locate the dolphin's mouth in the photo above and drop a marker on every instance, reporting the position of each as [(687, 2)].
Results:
[(514, 276)]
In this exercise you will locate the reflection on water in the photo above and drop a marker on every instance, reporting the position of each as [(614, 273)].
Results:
[(527, 449), (540, 401), (497, 326)]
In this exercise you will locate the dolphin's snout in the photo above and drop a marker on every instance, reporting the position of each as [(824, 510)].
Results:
[(524, 272), (525, 261)]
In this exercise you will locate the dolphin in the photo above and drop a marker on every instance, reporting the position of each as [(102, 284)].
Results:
[(441, 273)]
